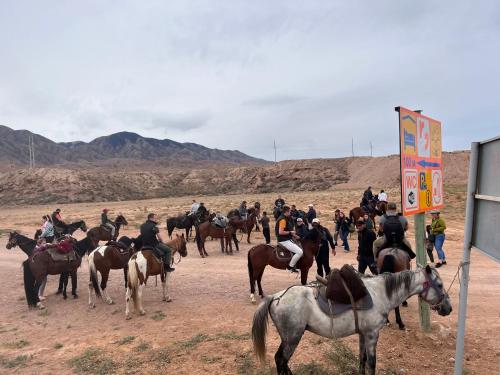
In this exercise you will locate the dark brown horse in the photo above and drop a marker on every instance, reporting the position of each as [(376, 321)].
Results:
[(104, 234), (39, 265), (262, 255), (393, 260), (144, 264), (377, 208), (207, 229), (181, 221), (112, 256), (70, 229), (245, 225)]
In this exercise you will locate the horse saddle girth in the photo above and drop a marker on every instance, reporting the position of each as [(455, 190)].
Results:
[(59, 257), (332, 309)]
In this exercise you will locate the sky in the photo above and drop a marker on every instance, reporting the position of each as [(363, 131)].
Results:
[(313, 76)]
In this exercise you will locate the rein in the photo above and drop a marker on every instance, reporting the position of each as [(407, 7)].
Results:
[(429, 284)]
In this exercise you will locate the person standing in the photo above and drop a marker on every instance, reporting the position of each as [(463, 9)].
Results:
[(311, 214), (368, 222), (150, 234), (335, 221), (343, 230), (365, 248), (280, 202), (323, 255), (301, 228), (243, 210), (264, 221), (438, 226), (294, 214)]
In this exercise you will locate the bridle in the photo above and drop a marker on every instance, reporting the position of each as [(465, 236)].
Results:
[(15, 241), (429, 284)]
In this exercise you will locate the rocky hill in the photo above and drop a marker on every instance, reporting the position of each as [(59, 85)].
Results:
[(123, 146), (105, 183)]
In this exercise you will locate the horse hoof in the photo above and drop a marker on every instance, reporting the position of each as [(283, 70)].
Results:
[(203, 256), (128, 317), (75, 296), (168, 299), (58, 292), (65, 297), (142, 312), (402, 328), (111, 302), (40, 306), (91, 305)]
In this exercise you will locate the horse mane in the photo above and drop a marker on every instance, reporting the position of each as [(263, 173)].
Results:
[(393, 281)]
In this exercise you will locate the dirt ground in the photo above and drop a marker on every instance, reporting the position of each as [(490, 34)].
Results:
[(205, 330)]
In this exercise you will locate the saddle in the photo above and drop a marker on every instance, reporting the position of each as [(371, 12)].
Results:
[(106, 228), (157, 255), (220, 222), (120, 245), (57, 256), (282, 253), (401, 246)]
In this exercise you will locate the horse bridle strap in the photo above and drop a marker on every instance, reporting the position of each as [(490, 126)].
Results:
[(353, 304), (429, 284)]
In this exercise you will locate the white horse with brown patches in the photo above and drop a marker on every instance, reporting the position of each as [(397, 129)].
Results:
[(144, 264)]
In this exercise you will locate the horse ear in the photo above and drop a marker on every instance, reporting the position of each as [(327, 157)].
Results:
[(428, 269)]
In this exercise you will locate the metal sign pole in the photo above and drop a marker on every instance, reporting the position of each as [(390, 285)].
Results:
[(423, 307), (464, 282)]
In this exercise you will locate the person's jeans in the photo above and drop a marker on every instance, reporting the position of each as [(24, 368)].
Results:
[(438, 244), (167, 253), (323, 261), (343, 236), (267, 235)]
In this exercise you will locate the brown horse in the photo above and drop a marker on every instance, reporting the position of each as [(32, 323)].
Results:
[(39, 265), (245, 225), (393, 260), (209, 229), (104, 234), (182, 221), (262, 255), (112, 256), (144, 264)]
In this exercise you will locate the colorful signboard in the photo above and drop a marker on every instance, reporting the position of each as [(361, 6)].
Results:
[(421, 162)]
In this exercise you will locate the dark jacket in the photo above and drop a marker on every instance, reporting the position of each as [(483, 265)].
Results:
[(294, 214), (264, 221), (343, 224), (311, 214), (302, 231), (365, 240), (288, 227), (104, 219), (326, 238), (149, 230)]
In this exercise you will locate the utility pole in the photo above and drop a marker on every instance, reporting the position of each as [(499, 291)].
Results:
[(274, 141), (352, 146), (31, 147), (371, 149)]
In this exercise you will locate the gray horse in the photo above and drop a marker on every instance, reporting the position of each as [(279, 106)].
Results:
[(295, 310)]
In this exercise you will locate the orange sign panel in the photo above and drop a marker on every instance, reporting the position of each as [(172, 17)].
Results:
[(421, 162)]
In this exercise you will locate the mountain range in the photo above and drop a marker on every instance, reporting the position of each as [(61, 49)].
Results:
[(123, 146)]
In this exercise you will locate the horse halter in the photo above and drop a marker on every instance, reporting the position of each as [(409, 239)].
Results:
[(429, 284)]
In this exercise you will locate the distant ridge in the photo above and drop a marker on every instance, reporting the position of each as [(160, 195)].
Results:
[(124, 146)]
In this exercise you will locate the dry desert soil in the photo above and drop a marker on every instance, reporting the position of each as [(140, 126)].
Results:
[(205, 330)]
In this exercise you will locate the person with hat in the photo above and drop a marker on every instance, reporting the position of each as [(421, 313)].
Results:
[(323, 255), (286, 235), (105, 222), (301, 228), (150, 234), (438, 226), (367, 200), (280, 202), (243, 211), (202, 212), (365, 257), (392, 228), (311, 213), (58, 223)]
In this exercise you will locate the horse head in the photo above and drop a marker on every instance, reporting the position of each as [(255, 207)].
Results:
[(120, 219), (12, 242), (182, 245), (83, 226), (434, 293)]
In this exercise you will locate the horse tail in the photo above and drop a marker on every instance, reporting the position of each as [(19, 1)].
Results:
[(29, 285), (388, 264), (93, 275), (259, 329), (133, 279)]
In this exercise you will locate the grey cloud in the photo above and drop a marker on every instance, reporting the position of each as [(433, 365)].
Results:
[(165, 121), (274, 100)]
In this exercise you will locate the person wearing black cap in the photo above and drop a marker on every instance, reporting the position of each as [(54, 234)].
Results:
[(150, 234), (365, 248)]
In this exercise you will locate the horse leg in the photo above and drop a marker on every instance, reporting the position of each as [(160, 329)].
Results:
[(187, 233), (371, 351), (362, 354), (259, 279), (303, 275), (228, 242), (235, 240), (139, 299), (222, 244), (164, 284), (74, 284), (60, 287), (398, 319), (91, 288), (104, 282), (286, 350), (64, 277), (128, 296), (125, 272)]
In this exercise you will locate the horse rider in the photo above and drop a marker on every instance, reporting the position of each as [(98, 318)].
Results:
[(393, 226), (194, 206), (280, 202), (294, 213), (243, 211), (47, 229), (323, 255), (301, 229), (202, 211), (105, 222), (285, 234), (58, 222), (367, 199), (311, 213), (150, 234), (382, 196)]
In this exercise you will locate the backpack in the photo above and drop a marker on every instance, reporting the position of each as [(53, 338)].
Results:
[(393, 230)]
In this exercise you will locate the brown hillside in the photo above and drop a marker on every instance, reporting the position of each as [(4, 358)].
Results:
[(92, 184)]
